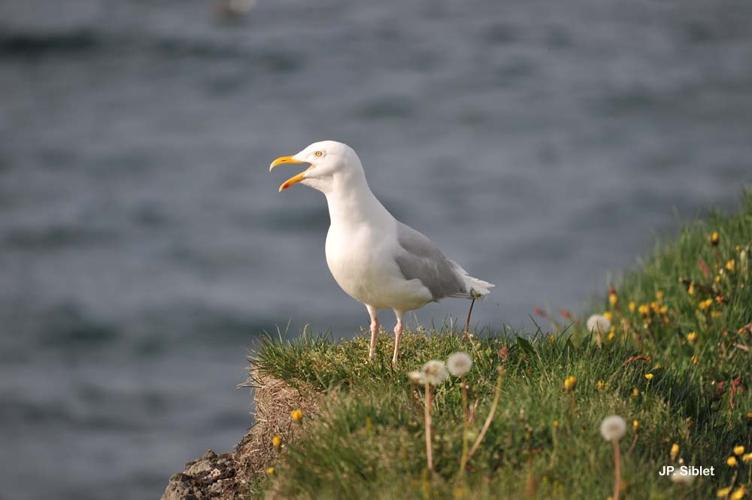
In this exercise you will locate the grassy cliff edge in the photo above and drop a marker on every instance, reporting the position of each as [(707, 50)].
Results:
[(675, 363)]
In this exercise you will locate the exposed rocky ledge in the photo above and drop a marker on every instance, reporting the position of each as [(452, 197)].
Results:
[(228, 475)]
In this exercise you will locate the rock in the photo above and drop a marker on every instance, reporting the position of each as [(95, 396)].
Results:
[(211, 476)]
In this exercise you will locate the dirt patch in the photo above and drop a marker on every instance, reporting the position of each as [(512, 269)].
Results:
[(227, 476)]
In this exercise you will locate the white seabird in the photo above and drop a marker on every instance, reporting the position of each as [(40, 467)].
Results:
[(375, 258)]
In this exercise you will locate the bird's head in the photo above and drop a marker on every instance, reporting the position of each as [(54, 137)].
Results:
[(327, 162)]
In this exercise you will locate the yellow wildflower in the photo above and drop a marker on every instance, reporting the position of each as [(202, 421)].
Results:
[(731, 461), (705, 304), (649, 376), (739, 450), (635, 425), (296, 415), (663, 310), (613, 299), (635, 392), (691, 289), (632, 306), (270, 471), (600, 385), (715, 238), (659, 295), (695, 359), (276, 441), (730, 265), (692, 337), (739, 493), (611, 334), (747, 458), (608, 315), (644, 309), (723, 492), (569, 383), (675, 451)]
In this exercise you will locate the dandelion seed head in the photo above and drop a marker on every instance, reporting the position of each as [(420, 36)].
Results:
[(416, 377), (435, 372), (613, 428), (598, 323), (459, 363), (679, 477)]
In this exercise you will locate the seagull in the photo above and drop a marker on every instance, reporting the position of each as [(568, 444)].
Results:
[(373, 257)]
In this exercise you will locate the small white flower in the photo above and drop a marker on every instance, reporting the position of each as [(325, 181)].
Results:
[(613, 428), (597, 323), (435, 372), (416, 377), (459, 363), (680, 477)]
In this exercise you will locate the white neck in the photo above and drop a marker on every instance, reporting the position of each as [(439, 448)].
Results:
[(351, 202)]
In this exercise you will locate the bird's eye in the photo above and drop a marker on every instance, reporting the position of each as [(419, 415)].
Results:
[(318, 154)]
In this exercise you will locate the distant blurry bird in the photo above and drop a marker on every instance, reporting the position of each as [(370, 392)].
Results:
[(376, 259), (230, 9)]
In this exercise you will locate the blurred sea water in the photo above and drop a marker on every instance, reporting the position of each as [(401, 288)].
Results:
[(144, 246)]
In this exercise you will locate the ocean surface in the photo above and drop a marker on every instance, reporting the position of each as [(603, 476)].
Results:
[(144, 247)]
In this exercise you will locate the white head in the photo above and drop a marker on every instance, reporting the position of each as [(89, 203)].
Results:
[(331, 163)]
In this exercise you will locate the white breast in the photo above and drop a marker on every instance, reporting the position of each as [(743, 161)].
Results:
[(361, 260)]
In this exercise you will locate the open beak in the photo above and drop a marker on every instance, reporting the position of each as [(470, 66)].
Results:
[(288, 160)]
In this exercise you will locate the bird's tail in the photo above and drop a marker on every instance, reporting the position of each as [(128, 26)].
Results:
[(476, 288)]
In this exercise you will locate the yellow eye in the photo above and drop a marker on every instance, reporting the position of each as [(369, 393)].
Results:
[(318, 154)]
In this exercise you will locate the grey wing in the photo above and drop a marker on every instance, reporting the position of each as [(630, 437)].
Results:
[(420, 259)]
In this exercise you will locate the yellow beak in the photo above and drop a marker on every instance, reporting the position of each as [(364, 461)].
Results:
[(288, 160)]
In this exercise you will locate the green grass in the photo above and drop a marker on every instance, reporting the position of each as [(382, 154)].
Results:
[(367, 441)]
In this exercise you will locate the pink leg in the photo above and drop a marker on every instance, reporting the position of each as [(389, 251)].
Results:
[(397, 335), (374, 331)]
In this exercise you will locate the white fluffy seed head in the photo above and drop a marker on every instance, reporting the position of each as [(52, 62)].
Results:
[(459, 363), (613, 428), (416, 377), (680, 477), (597, 323), (435, 372)]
